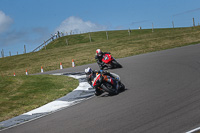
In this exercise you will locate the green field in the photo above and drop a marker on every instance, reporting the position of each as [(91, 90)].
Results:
[(24, 93), (79, 48)]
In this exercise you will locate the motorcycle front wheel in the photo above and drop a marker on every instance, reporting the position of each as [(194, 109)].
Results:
[(109, 88)]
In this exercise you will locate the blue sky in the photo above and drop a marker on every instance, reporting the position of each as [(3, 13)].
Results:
[(30, 22)]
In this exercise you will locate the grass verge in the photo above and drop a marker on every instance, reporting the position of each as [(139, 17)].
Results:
[(21, 94)]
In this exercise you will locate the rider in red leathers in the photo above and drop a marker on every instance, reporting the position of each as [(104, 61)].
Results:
[(99, 55)]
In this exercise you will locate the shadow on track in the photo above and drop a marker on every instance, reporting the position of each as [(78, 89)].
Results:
[(109, 95)]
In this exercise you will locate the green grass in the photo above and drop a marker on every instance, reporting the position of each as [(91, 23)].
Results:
[(23, 93), (120, 44)]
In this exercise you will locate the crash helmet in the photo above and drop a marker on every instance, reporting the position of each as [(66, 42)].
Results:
[(99, 52), (88, 71)]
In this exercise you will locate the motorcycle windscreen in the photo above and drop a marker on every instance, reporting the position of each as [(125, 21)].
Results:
[(107, 58)]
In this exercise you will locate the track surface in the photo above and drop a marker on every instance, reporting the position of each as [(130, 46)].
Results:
[(163, 95)]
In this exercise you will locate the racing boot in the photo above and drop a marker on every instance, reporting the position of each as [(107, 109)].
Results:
[(98, 92), (117, 86)]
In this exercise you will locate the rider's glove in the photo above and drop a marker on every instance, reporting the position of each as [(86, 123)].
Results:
[(106, 72)]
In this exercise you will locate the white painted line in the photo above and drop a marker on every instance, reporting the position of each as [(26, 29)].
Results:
[(77, 76), (50, 107), (57, 74), (194, 130)]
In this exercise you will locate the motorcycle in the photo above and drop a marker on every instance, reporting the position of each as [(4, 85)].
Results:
[(109, 62), (104, 86)]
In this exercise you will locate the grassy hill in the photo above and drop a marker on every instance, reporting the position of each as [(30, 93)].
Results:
[(15, 90), (79, 48)]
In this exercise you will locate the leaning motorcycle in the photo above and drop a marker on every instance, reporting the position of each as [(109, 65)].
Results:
[(108, 62), (104, 86)]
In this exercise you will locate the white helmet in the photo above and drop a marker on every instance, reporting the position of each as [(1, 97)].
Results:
[(99, 52), (88, 71)]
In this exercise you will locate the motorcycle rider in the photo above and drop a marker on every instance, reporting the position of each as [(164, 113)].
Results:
[(99, 55), (90, 76)]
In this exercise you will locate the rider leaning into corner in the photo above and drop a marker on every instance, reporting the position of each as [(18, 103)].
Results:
[(99, 55), (90, 75)]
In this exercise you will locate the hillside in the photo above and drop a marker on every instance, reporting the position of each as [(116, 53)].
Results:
[(79, 48)]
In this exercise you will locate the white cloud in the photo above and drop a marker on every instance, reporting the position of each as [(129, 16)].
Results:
[(77, 25), (5, 22)]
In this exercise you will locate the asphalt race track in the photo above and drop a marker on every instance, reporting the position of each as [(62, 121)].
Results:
[(162, 96)]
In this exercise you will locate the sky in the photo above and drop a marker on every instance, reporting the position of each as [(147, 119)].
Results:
[(31, 22)]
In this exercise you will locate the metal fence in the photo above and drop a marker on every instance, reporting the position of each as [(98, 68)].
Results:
[(43, 45)]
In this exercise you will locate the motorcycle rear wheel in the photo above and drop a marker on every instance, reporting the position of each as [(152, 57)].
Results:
[(115, 64)]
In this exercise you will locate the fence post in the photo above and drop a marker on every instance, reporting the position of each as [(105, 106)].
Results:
[(90, 37), (24, 49), (107, 35), (45, 45), (193, 22), (9, 53), (152, 27), (2, 53), (67, 42), (173, 24), (129, 31)]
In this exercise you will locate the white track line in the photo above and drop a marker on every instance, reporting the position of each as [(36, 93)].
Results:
[(194, 130)]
